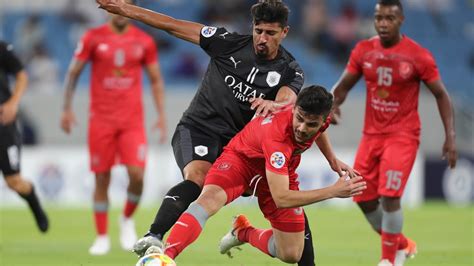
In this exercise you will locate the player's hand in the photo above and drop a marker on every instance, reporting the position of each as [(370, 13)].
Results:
[(342, 168), (112, 6), (160, 125), (68, 120), (8, 112), (449, 152), (335, 115), (345, 187), (263, 107)]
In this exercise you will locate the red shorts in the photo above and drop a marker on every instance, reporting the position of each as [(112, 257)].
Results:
[(385, 163), (234, 175), (111, 143)]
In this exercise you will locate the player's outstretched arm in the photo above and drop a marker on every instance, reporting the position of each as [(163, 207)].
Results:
[(445, 108), (286, 198), (186, 30), (340, 91), (337, 165)]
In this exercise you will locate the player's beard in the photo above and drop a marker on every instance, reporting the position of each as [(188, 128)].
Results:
[(262, 53)]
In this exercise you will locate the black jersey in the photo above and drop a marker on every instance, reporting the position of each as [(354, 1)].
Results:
[(234, 75), (9, 65)]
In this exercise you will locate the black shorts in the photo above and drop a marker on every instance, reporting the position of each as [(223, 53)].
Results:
[(190, 143), (10, 147)]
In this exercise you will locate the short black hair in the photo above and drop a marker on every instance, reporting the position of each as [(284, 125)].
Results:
[(391, 3), (270, 11), (315, 100)]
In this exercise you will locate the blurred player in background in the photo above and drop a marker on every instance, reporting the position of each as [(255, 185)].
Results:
[(118, 51), (248, 75), (10, 137), (393, 66), (263, 158)]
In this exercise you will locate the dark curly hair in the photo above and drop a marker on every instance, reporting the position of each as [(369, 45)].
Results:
[(315, 100), (270, 11)]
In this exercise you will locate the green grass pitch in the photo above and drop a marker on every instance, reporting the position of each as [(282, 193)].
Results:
[(342, 237)]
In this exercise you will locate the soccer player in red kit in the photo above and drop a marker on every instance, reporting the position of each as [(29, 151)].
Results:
[(393, 66), (263, 158), (118, 51)]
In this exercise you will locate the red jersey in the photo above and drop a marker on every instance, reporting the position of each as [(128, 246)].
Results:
[(116, 75), (268, 143), (392, 76)]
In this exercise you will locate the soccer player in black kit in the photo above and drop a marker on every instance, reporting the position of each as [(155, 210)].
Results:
[(247, 75), (10, 138)]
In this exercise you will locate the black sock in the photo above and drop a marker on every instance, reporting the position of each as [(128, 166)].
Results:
[(307, 259), (35, 206), (174, 204)]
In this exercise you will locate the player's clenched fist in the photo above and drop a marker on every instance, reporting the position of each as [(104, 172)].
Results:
[(112, 6)]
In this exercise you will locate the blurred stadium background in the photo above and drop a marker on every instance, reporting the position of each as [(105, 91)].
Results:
[(440, 201)]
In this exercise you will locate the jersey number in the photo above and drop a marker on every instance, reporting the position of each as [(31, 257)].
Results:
[(394, 179), (385, 76)]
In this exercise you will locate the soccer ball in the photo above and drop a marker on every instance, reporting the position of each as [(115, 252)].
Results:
[(155, 259)]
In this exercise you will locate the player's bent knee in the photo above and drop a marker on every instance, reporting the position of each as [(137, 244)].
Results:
[(290, 254), (212, 199), (196, 175)]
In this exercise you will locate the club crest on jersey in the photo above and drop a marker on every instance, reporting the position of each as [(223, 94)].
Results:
[(273, 78), (208, 31), (405, 70), (201, 150), (277, 160)]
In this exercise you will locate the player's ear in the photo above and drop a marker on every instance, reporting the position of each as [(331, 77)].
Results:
[(286, 29)]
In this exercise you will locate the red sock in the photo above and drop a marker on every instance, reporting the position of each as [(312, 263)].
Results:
[(186, 230), (101, 222), (130, 208), (256, 237), (402, 242), (389, 245)]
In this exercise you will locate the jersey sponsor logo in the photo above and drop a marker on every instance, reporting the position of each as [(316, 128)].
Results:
[(234, 61), (367, 65), (79, 48), (201, 150), (224, 34), (224, 166), (208, 31), (242, 91), (13, 157), (273, 78), (299, 74), (267, 120), (277, 160), (103, 47)]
